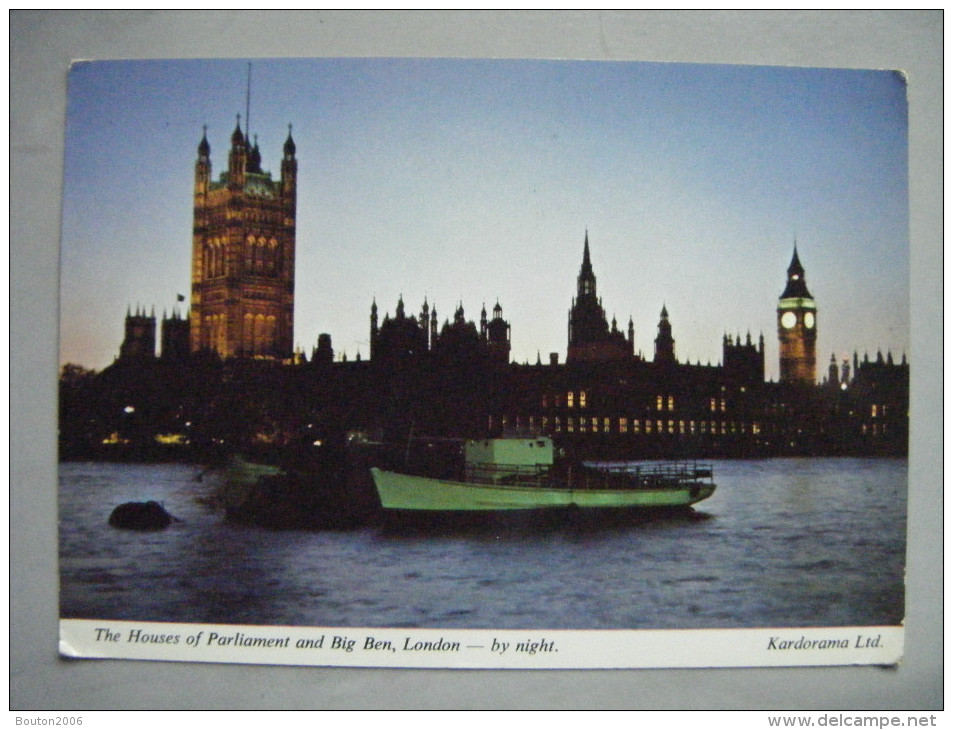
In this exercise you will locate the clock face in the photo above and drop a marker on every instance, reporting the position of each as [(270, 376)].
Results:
[(788, 320), (809, 320)]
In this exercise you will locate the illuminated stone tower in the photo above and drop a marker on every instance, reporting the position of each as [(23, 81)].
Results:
[(797, 328), (243, 253)]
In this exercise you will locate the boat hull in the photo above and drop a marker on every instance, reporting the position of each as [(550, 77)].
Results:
[(421, 494)]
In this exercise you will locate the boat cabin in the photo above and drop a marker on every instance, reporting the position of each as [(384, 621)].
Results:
[(508, 457)]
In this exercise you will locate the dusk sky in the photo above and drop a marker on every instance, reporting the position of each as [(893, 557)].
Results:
[(475, 181)]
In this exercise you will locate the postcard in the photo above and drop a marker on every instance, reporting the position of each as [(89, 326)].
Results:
[(484, 363)]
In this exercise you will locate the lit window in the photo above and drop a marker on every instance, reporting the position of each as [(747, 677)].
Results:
[(570, 424), (636, 425), (681, 426), (623, 425), (713, 405), (722, 405), (545, 424), (671, 402), (605, 425), (582, 399), (658, 403), (595, 425), (558, 425), (671, 426), (691, 427), (648, 426), (755, 428), (873, 411), (659, 426), (570, 396), (583, 425)]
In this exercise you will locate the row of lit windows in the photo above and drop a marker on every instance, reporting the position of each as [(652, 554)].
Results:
[(258, 334), (261, 257), (662, 402), (877, 410), (625, 425), (571, 400), (260, 216)]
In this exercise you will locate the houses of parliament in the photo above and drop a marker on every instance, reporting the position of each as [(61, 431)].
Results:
[(227, 371)]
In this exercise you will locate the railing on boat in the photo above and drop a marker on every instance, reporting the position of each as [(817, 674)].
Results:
[(638, 476)]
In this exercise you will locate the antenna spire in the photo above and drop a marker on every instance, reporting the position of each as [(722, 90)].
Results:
[(248, 103)]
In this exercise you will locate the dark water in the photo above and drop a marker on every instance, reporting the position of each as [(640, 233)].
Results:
[(782, 543)]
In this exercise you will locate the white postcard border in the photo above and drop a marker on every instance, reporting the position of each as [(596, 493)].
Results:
[(480, 649)]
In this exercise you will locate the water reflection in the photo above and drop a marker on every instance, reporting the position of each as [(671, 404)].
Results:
[(802, 542)]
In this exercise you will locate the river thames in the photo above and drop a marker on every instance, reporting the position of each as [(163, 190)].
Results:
[(782, 543)]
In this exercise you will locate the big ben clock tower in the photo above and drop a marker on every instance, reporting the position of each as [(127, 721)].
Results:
[(797, 327)]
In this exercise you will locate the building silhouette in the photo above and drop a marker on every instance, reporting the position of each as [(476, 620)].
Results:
[(140, 335), (590, 337), (175, 336), (243, 253), (459, 341), (228, 374)]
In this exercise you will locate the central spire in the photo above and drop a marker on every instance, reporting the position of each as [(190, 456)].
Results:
[(586, 283), (586, 263)]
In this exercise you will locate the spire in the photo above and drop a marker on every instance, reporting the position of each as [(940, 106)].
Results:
[(289, 144), (204, 148), (586, 263), (248, 106), (238, 138), (586, 281), (664, 342), (794, 268), (796, 286), (254, 161)]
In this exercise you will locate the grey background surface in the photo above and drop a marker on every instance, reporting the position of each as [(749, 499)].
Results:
[(42, 45)]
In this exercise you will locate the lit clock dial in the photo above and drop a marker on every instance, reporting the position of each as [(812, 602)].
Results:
[(809, 320), (788, 320)]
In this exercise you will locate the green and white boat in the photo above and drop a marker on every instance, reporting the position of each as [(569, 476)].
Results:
[(519, 474)]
